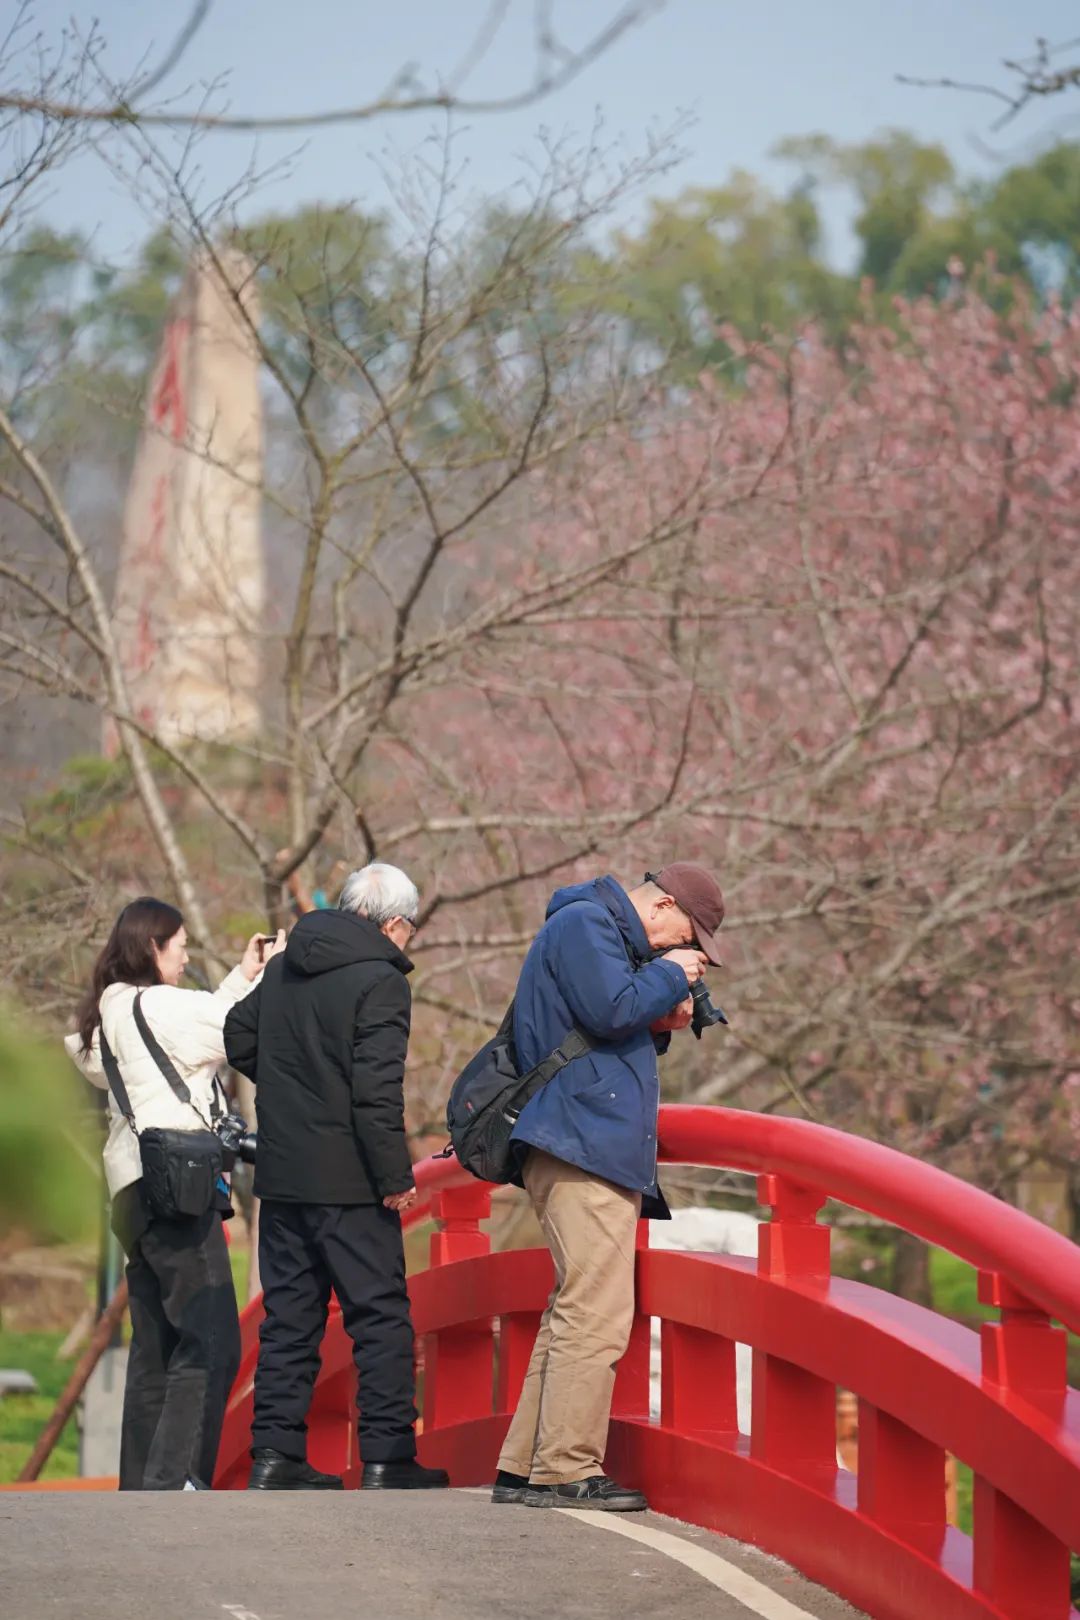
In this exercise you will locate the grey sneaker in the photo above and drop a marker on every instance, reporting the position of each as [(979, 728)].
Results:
[(509, 1487), (599, 1494)]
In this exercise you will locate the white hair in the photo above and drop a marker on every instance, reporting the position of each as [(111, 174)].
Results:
[(380, 892)]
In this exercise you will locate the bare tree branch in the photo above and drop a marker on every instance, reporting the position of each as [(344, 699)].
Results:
[(551, 76), (1035, 78)]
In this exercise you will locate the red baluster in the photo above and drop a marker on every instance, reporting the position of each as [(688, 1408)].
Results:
[(517, 1335), (793, 1413), (1017, 1562), (901, 1478), (459, 1211), (459, 1360), (1023, 1352), (697, 1380), (792, 1244)]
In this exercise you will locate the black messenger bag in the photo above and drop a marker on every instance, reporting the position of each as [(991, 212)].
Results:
[(180, 1168), (489, 1094)]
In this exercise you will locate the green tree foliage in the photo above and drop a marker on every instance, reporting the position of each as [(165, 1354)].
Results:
[(736, 256), (914, 214), (1032, 217), (49, 1178), (741, 257), (733, 255), (125, 312), (39, 302), (324, 270), (897, 181)]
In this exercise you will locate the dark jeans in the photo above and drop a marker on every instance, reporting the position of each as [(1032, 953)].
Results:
[(355, 1249), (184, 1356)]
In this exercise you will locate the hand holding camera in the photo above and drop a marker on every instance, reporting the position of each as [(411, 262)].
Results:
[(258, 951), (678, 1018), (693, 963), (703, 1013)]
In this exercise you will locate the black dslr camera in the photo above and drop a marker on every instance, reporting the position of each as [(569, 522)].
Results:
[(236, 1139), (705, 1014)]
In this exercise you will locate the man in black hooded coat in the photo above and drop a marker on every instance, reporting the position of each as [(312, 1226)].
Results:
[(324, 1038)]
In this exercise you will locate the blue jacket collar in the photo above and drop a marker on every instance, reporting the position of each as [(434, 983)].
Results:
[(614, 897)]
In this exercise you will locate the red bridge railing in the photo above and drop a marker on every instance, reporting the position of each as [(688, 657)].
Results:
[(926, 1386)]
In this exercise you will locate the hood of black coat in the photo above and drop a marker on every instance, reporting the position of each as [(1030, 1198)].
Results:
[(324, 940), (606, 892)]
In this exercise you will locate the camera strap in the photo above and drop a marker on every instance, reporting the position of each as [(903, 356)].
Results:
[(116, 1081), (167, 1067)]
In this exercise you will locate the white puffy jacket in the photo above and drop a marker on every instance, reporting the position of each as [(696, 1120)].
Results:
[(188, 1024)]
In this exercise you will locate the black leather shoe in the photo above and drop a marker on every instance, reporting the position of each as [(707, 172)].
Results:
[(271, 1471), (403, 1476), (600, 1494), (509, 1487)]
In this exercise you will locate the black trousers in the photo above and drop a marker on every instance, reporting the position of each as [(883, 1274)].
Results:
[(305, 1250), (184, 1355)]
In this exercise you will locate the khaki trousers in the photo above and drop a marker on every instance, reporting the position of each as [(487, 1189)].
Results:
[(559, 1431)]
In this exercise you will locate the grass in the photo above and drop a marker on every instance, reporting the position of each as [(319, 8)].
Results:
[(22, 1417), (238, 1260)]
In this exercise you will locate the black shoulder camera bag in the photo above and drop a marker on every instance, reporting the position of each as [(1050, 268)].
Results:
[(180, 1168), (489, 1094)]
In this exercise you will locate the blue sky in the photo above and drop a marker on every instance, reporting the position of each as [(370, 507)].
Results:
[(745, 71)]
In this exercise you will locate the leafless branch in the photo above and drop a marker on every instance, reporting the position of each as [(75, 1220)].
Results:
[(1035, 78), (553, 73)]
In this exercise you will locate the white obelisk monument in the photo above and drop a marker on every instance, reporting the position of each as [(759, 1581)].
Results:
[(190, 588)]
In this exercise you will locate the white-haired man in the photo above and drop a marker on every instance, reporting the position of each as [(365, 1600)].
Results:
[(324, 1038)]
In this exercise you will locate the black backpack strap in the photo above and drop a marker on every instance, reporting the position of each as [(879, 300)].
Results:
[(572, 1046), (116, 1080)]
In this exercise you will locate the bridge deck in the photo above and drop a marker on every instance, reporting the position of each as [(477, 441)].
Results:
[(449, 1555)]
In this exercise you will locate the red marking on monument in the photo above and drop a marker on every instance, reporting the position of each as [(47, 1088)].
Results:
[(169, 402)]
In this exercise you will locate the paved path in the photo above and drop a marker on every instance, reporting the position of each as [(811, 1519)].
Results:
[(373, 1556)]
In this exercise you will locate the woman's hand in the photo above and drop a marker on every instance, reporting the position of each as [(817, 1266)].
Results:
[(678, 1018), (258, 951)]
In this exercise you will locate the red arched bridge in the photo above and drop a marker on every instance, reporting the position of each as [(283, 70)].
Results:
[(926, 1386)]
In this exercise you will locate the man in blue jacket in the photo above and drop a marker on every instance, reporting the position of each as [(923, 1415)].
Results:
[(587, 1148)]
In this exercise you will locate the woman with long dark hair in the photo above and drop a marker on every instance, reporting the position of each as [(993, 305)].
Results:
[(185, 1339)]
